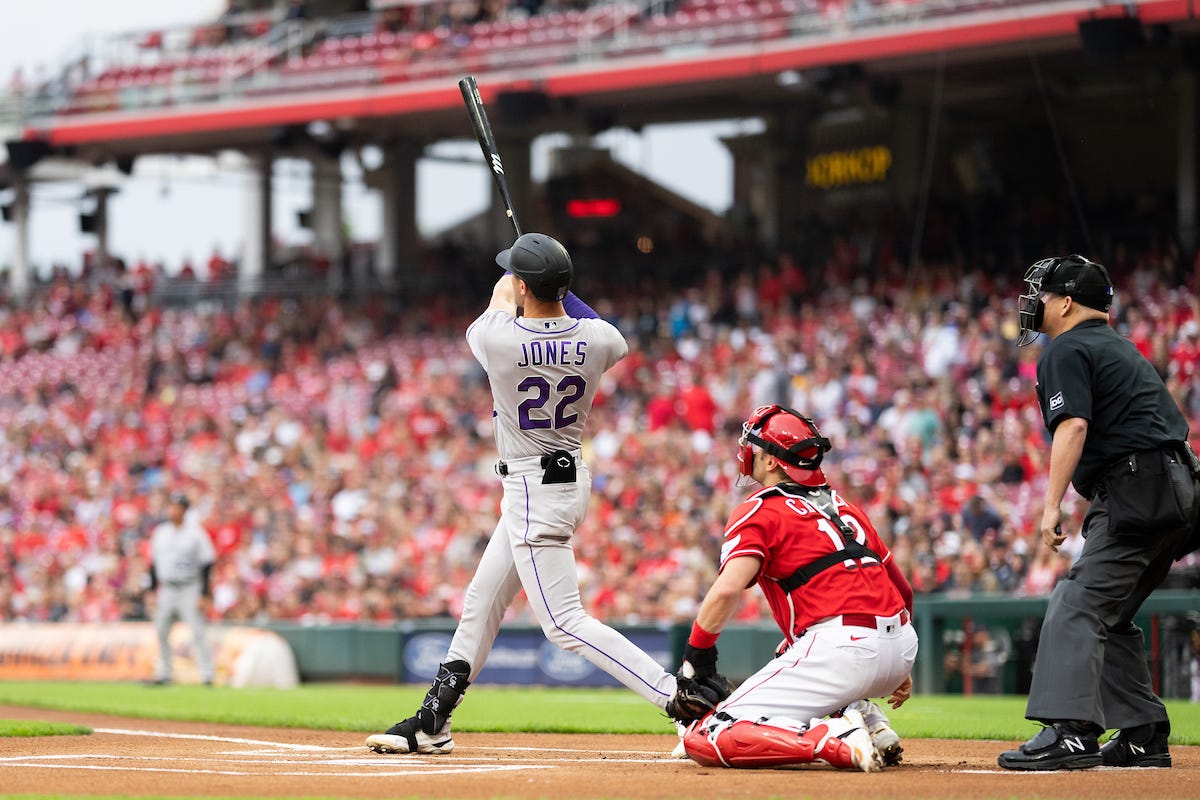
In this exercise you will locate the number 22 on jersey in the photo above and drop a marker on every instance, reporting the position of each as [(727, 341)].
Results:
[(560, 397)]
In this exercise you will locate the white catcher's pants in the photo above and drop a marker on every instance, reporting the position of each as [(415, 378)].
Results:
[(830, 666), (531, 548)]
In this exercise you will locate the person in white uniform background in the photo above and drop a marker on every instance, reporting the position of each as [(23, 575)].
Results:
[(181, 558), (544, 369)]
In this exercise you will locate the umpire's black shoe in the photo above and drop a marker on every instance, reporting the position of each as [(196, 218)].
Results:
[(1143, 746), (1062, 745)]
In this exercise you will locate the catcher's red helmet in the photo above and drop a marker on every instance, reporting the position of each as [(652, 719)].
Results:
[(789, 436)]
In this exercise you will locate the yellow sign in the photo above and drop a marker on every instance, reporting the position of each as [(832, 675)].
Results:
[(848, 167)]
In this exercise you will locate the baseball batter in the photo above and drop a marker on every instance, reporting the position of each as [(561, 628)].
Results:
[(182, 556), (835, 592), (544, 368)]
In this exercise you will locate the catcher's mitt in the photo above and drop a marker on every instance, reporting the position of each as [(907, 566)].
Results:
[(695, 698), (698, 685)]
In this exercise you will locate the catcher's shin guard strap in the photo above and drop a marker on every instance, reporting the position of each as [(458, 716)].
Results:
[(716, 743)]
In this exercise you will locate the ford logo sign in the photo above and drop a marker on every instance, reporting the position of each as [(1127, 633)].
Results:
[(423, 653)]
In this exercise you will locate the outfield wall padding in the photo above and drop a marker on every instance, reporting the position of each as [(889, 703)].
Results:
[(408, 651)]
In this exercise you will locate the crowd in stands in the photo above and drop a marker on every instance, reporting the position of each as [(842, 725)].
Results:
[(343, 461), (258, 47)]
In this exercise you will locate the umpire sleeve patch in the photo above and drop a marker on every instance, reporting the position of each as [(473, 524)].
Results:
[(1056, 402)]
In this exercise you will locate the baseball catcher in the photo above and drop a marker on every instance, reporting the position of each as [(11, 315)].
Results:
[(839, 599)]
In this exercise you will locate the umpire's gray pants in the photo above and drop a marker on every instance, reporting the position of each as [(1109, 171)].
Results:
[(1091, 662), (182, 601)]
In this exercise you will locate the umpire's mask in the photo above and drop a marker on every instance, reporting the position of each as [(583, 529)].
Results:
[(1074, 276)]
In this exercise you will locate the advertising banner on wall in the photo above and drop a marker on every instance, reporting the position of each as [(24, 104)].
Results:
[(526, 657), (127, 651)]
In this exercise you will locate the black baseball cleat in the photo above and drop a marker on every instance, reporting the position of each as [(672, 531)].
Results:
[(407, 736), (1143, 746), (1062, 745)]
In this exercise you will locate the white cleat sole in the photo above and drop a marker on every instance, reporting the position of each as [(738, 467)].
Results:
[(391, 744)]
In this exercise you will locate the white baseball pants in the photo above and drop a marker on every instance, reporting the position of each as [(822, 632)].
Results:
[(531, 548), (832, 665)]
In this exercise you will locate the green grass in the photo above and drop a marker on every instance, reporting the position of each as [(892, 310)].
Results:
[(21, 727), (489, 708)]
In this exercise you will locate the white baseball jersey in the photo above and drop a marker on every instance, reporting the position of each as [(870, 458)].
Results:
[(179, 553), (544, 375)]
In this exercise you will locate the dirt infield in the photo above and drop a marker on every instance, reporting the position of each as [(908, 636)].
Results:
[(173, 759)]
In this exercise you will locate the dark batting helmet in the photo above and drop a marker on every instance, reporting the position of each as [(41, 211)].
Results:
[(542, 262)]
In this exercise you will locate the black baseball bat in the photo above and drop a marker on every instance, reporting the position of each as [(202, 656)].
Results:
[(487, 143)]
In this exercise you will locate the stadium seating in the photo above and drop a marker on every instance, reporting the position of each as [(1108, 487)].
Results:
[(357, 51), (278, 423)]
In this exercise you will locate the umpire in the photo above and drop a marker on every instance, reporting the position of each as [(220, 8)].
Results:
[(182, 557), (1121, 440)]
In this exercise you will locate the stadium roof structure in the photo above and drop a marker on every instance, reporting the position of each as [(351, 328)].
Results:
[(628, 71)]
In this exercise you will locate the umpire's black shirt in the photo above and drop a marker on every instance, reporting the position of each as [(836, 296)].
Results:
[(1094, 373)]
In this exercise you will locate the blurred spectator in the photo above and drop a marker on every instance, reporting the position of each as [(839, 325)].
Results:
[(322, 435), (978, 658)]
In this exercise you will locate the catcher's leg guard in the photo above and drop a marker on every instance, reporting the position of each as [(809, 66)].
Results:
[(745, 744)]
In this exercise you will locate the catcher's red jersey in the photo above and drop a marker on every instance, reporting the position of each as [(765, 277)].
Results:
[(784, 526)]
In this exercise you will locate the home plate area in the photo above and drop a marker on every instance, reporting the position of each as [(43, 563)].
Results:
[(246, 757), (131, 758)]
